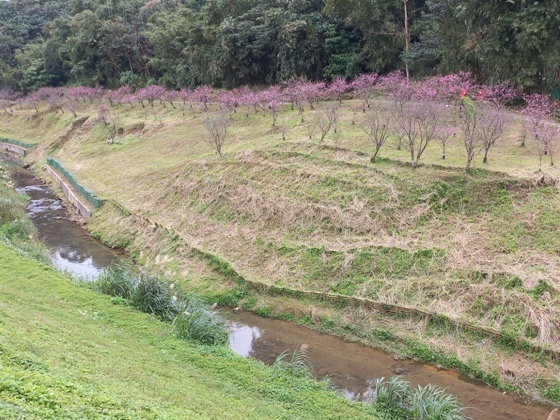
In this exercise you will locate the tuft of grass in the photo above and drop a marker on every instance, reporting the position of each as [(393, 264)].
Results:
[(155, 296), (393, 393), (118, 280), (197, 322), (17, 231), (190, 316), (299, 362), (423, 403), (432, 403)]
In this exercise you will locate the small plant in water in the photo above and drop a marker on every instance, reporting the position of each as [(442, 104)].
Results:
[(298, 362), (431, 402)]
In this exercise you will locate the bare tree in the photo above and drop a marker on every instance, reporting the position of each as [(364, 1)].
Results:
[(493, 124), (337, 137), (377, 127), (217, 131), (546, 136), (417, 122), (326, 119), (444, 135), (482, 125), (110, 119), (311, 128), (470, 121)]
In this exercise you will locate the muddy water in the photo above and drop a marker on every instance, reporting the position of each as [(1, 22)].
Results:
[(71, 248), (352, 368)]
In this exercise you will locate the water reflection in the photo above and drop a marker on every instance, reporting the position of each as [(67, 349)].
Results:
[(72, 250), (242, 338)]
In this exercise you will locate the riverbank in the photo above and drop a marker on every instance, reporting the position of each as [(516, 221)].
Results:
[(67, 351), (301, 215)]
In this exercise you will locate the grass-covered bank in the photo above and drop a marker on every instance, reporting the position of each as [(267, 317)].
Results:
[(17, 231), (69, 352), (477, 247)]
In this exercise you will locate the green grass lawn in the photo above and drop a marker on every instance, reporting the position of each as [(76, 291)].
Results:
[(68, 352)]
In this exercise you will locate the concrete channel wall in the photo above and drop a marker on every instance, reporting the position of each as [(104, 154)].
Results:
[(8, 147), (72, 196)]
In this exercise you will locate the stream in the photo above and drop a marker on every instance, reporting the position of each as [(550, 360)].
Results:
[(351, 368)]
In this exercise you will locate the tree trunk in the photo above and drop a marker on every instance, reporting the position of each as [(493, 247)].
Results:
[(406, 37), (469, 163)]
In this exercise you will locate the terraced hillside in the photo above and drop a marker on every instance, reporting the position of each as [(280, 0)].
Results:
[(481, 248)]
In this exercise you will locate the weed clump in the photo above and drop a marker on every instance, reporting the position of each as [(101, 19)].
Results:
[(191, 317), (198, 322), (423, 403), (299, 362)]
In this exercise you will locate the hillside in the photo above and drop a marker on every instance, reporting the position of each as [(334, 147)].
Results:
[(480, 248)]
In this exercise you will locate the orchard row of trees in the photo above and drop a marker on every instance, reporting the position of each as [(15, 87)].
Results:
[(414, 113), (177, 43)]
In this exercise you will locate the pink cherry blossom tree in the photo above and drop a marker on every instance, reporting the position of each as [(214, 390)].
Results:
[(203, 96), (363, 87), (336, 89)]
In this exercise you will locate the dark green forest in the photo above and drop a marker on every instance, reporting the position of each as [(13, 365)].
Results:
[(227, 43)]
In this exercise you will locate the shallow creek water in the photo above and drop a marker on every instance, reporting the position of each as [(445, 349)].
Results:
[(71, 248), (352, 368)]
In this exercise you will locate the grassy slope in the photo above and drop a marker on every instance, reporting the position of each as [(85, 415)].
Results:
[(297, 213), (67, 352)]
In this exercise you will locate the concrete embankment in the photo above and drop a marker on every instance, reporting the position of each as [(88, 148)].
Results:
[(73, 197), (12, 148)]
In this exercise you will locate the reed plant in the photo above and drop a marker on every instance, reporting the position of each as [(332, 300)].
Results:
[(118, 280), (155, 296)]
